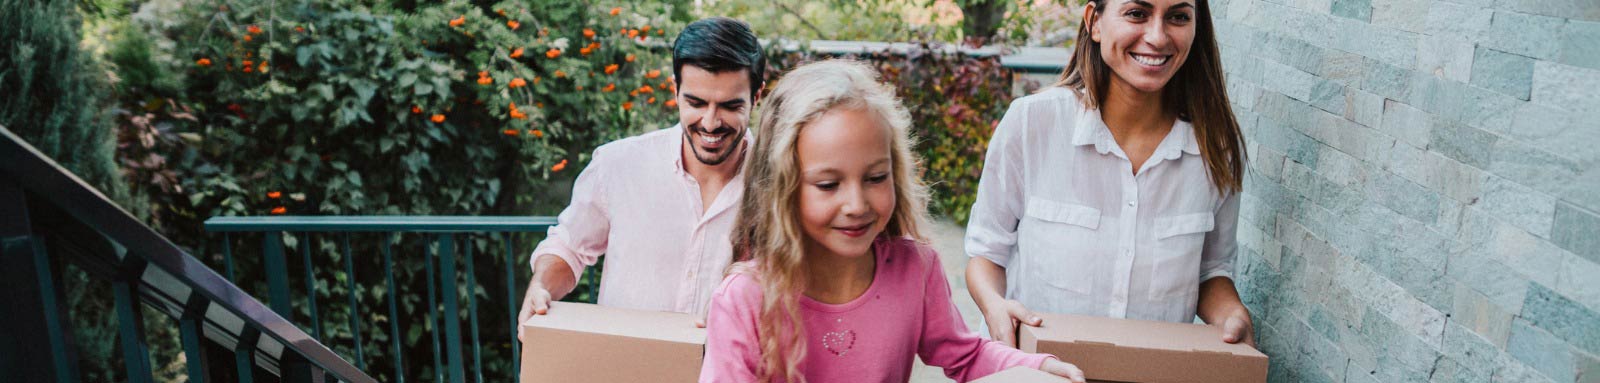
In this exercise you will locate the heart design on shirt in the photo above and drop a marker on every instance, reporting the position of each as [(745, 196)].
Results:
[(839, 342)]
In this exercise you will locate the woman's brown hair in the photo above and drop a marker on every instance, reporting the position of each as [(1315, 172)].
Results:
[(1196, 94)]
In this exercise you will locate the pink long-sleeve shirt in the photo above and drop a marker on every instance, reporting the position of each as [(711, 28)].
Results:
[(906, 312), (637, 205)]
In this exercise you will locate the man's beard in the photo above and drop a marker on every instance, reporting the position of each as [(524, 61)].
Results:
[(723, 154)]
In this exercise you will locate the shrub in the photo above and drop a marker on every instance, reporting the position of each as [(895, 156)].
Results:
[(955, 102)]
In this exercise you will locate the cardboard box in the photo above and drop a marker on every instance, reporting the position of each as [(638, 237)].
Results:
[(1021, 375), (587, 343), (1123, 350)]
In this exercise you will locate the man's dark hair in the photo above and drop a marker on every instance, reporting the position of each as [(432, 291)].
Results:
[(718, 45)]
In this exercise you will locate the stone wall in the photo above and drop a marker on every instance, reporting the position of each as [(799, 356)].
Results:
[(1423, 191)]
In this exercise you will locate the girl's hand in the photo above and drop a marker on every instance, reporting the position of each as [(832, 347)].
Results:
[(1003, 318), (1238, 329), (1062, 369)]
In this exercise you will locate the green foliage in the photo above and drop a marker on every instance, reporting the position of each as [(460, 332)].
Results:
[(239, 107), (50, 90), (955, 101)]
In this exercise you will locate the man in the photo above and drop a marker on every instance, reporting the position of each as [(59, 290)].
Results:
[(661, 205)]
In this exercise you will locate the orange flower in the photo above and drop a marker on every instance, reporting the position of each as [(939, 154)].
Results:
[(501, 12), (254, 30), (262, 68), (661, 32), (438, 118), (274, 195), (652, 100), (537, 133), (671, 103), (535, 80), (203, 62), (485, 81), (653, 73), (247, 38), (552, 53), (515, 53), (609, 87), (518, 82), (559, 166), (580, 87), (627, 105), (511, 132), (483, 73), (539, 105), (517, 114), (462, 19), (629, 58), (416, 109), (632, 33), (248, 68), (588, 33), (585, 50), (513, 24), (616, 11), (299, 29), (560, 74), (611, 69), (644, 29), (280, 210)]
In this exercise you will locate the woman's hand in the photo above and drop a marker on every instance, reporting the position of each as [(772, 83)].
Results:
[(1236, 328), (1003, 317), (1062, 369)]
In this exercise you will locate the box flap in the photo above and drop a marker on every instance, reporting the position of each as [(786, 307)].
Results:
[(1141, 334), (643, 324)]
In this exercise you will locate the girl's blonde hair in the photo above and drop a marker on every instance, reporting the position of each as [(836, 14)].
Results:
[(767, 236)]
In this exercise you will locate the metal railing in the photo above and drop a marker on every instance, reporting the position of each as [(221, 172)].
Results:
[(443, 270), (50, 219)]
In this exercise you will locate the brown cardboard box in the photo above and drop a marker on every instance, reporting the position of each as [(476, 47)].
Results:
[(1021, 375), (587, 343), (1123, 350)]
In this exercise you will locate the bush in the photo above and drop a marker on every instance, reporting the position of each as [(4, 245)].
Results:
[(955, 102), (346, 107)]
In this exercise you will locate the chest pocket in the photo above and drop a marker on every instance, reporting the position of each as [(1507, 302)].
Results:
[(1055, 241), (1180, 239)]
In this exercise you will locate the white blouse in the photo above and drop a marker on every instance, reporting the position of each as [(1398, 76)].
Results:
[(1079, 233)]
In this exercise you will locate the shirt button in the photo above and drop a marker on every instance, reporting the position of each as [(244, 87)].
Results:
[(1130, 203)]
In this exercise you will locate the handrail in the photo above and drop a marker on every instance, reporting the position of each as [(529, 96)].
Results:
[(44, 203)]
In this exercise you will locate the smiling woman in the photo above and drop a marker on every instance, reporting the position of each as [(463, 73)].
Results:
[(1116, 192)]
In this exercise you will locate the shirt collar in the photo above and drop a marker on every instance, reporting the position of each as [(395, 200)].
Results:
[(1092, 130)]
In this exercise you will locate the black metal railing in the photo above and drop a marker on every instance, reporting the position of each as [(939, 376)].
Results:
[(49, 219)]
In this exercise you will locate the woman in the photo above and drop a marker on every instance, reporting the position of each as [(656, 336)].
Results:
[(1115, 192)]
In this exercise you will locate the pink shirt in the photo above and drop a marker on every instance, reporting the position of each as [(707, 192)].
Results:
[(906, 312), (637, 205)]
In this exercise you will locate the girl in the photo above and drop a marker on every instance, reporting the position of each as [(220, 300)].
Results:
[(1115, 192), (835, 284)]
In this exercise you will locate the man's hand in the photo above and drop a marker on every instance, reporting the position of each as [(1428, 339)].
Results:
[(535, 302), (1238, 329), (1003, 318), (1062, 369)]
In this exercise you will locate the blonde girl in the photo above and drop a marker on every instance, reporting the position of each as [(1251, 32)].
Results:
[(836, 283)]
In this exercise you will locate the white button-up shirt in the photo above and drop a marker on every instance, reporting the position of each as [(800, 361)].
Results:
[(1079, 233), (637, 205)]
